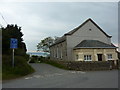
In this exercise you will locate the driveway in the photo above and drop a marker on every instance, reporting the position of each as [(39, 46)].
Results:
[(47, 76)]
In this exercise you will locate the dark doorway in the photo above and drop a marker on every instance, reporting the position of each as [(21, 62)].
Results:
[(99, 57)]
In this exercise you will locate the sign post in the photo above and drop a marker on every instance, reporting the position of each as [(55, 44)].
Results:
[(13, 45), (13, 59)]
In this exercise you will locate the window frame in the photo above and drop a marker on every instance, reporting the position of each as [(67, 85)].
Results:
[(87, 57), (77, 57), (109, 56)]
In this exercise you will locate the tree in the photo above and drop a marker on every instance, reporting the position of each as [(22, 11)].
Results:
[(56, 38), (12, 31), (45, 44)]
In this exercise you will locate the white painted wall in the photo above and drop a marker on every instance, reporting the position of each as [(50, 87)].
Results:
[(58, 51)]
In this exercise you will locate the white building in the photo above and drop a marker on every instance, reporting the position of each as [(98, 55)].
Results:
[(86, 42)]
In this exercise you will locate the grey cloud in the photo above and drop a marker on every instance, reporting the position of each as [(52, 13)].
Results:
[(54, 19)]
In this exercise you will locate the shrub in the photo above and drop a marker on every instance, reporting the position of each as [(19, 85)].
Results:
[(34, 59), (41, 58)]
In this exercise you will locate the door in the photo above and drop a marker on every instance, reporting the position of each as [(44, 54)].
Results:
[(99, 57)]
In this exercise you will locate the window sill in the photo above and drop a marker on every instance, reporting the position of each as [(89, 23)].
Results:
[(110, 59), (87, 60)]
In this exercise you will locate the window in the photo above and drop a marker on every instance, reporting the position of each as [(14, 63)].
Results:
[(87, 57), (53, 52), (90, 29), (77, 56), (57, 52), (61, 53), (109, 56), (65, 50)]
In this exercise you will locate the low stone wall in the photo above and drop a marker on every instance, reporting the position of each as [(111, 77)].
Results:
[(88, 66)]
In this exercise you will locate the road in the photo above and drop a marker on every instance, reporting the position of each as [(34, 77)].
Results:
[(47, 76)]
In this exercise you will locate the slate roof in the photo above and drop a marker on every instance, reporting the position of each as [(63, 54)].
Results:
[(63, 38), (93, 44)]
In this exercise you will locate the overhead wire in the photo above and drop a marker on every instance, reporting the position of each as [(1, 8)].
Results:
[(3, 18)]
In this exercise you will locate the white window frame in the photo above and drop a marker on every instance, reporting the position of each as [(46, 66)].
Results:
[(109, 56), (87, 57)]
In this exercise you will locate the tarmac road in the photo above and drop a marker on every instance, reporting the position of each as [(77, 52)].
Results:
[(47, 76)]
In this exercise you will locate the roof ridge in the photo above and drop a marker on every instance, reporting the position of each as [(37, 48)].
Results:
[(89, 19)]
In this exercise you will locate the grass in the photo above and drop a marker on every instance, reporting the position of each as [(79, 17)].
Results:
[(21, 67), (16, 72), (53, 63), (0, 72), (0, 76)]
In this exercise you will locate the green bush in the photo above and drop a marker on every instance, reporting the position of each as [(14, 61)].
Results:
[(34, 59), (41, 59), (21, 67)]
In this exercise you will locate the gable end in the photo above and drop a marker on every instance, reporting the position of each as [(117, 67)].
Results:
[(74, 30)]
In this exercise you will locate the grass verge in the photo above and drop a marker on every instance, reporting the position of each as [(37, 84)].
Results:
[(0, 76), (54, 63), (21, 67)]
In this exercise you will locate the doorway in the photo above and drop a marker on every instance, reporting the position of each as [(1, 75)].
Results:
[(99, 57)]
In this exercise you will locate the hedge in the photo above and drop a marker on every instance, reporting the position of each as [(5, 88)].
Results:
[(21, 67)]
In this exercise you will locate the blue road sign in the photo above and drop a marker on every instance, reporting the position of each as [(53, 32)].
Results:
[(13, 43)]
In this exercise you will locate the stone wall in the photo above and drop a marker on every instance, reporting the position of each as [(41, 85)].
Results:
[(88, 66)]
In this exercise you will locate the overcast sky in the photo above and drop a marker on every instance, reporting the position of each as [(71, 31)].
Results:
[(42, 19)]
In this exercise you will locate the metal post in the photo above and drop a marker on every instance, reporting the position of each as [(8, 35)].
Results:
[(13, 59)]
